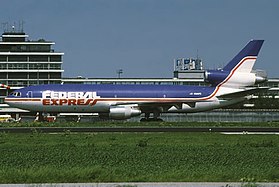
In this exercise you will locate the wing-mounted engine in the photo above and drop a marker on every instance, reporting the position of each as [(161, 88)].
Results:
[(121, 112), (234, 79)]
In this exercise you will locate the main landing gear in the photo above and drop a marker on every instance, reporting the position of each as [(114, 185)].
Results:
[(147, 118)]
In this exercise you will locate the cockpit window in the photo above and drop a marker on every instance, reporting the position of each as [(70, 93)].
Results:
[(16, 94)]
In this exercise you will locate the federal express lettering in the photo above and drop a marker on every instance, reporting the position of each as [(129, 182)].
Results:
[(69, 98)]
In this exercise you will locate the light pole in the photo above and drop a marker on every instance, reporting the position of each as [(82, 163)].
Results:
[(119, 72)]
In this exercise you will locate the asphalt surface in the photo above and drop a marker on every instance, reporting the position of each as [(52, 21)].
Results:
[(139, 129)]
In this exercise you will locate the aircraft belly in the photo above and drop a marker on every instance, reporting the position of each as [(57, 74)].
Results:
[(200, 106), (195, 107), (204, 106)]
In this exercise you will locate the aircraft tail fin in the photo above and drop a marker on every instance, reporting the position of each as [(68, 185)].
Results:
[(238, 72), (246, 58)]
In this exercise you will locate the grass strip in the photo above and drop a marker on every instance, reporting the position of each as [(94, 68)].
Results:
[(141, 124), (137, 157)]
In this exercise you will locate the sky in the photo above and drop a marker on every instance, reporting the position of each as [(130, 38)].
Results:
[(143, 37)]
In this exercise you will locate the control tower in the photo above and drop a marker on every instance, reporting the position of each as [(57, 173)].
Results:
[(188, 68)]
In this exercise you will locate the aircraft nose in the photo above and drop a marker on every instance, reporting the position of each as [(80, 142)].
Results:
[(10, 100), (14, 98), (7, 100)]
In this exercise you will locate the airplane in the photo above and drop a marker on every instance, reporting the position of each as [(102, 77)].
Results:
[(228, 86)]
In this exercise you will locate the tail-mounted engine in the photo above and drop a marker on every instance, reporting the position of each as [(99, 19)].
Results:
[(214, 77), (234, 79), (261, 76)]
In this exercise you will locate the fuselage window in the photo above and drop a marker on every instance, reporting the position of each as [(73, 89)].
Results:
[(16, 94)]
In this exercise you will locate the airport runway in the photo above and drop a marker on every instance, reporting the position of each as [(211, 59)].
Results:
[(139, 129)]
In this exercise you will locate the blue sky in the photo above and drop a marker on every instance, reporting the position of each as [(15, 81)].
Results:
[(142, 37)]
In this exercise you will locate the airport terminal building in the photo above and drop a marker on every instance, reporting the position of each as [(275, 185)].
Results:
[(25, 62)]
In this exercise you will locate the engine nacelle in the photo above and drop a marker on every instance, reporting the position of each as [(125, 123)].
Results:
[(123, 112), (261, 76), (235, 79), (215, 77)]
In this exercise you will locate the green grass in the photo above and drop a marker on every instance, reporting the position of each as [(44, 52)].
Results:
[(137, 157), (141, 124)]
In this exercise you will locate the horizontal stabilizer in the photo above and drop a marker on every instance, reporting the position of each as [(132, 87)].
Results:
[(247, 91)]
